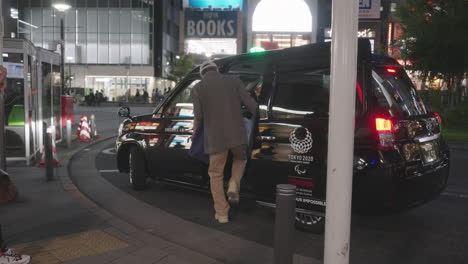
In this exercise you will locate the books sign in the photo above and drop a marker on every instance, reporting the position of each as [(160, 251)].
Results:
[(210, 24)]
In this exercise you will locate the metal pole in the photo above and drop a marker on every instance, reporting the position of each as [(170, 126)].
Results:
[(48, 152), (91, 126), (341, 131), (2, 104), (127, 87), (284, 223), (69, 133), (62, 52), (2, 128), (69, 78)]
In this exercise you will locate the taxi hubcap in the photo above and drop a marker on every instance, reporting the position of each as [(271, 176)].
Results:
[(308, 219)]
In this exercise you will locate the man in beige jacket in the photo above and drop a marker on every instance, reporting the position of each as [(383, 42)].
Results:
[(217, 101)]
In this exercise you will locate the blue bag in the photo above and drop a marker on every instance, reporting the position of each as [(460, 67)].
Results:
[(249, 124), (197, 149)]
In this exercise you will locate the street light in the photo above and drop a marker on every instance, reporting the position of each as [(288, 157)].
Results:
[(62, 7)]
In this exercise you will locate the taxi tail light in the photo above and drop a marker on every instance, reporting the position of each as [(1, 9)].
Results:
[(359, 91), (131, 126), (385, 133), (391, 70)]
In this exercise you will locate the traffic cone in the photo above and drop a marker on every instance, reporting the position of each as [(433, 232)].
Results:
[(55, 160), (79, 126), (94, 133), (84, 129)]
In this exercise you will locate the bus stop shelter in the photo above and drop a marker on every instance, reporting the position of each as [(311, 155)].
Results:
[(32, 96)]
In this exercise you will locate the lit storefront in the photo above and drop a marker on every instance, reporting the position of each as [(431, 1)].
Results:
[(270, 41), (370, 25), (215, 28), (120, 88), (277, 24)]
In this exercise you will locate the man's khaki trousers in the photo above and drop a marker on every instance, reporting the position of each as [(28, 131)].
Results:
[(216, 172)]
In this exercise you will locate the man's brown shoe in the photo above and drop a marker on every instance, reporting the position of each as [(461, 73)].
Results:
[(222, 219)]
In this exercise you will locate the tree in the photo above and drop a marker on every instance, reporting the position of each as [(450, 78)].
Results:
[(181, 66), (436, 39)]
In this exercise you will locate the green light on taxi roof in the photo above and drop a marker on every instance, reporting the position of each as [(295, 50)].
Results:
[(256, 49)]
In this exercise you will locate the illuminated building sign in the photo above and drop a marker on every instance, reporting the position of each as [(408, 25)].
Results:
[(362, 33), (215, 3), (210, 24), (14, 70), (369, 9)]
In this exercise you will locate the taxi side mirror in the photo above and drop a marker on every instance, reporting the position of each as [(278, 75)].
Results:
[(124, 111)]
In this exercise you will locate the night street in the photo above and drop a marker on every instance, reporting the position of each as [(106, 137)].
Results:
[(233, 132)]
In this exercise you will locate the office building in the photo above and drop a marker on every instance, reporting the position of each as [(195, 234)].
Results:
[(109, 44)]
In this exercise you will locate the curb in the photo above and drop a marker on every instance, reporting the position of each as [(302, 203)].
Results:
[(67, 158)]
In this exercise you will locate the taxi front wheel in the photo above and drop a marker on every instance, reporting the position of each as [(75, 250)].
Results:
[(137, 172)]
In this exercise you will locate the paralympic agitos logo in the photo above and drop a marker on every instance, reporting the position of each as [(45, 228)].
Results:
[(301, 140)]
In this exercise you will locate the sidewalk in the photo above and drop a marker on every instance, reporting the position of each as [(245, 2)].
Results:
[(54, 223)]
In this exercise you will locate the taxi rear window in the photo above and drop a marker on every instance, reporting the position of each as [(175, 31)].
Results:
[(254, 66), (395, 92), (301, 93)]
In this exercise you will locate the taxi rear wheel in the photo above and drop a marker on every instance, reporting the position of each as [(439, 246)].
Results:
[(310, 223), (137, 172)]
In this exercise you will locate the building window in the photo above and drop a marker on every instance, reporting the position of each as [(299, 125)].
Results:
[(271, 41), (96, 31)]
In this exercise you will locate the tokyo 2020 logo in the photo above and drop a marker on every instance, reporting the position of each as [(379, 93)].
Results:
[(301, 140)]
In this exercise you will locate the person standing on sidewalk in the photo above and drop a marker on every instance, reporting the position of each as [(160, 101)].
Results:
[(217, 101), (9, 256), (7, 193)]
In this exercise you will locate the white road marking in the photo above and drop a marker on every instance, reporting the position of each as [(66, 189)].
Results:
[(108, 171), (109, 151), (458, 195)]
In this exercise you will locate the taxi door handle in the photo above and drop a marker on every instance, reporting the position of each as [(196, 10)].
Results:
[(267, 138)]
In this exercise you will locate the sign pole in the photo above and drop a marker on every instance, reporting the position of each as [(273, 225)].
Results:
[(341, 131), (2, 102)]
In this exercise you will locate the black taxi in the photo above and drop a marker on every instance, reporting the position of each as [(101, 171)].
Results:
[(400, 157)]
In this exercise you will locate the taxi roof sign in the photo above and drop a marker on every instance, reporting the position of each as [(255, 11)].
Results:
[(256, 49)]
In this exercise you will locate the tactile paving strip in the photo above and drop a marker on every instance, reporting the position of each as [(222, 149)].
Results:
[(65, 248)]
